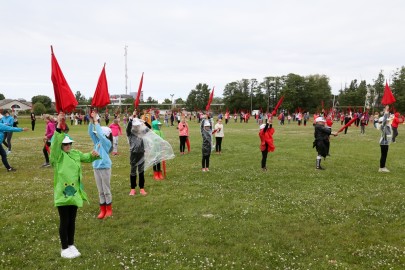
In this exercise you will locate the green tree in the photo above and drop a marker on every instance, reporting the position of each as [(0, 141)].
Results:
[(179, 101), (167, 101), (197, 99), (44, 100), (2, 96), (80, 98), (272, 86), (398, 88), (237, 95), (39, 108), (150, 100), (316, 91), (379, 85), (128, 101), (293, 88)]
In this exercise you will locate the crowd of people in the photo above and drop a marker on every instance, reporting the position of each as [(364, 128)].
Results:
[(148, 148)]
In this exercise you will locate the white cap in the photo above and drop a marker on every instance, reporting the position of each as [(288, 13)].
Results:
[(320, 119), (262, 126), (106, 131), (207, 123), (67, 139), (136, 122)]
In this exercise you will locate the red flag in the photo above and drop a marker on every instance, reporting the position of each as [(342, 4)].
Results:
[(138, 95), (347, 125), (274, 112), (207, 108), (65, 101), (388, 98), (101, 96)]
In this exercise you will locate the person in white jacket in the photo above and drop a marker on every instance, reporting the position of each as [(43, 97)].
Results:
[(219, 134)]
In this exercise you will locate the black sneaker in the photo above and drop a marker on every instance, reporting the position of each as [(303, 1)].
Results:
[(11, 169)]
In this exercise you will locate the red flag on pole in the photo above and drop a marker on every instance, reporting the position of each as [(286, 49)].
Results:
[(207, 108), (138, 95), (388, 98), (347, 125), (65, 101), (274, 112), (101, 96)]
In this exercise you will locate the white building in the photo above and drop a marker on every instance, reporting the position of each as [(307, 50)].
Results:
[(16, 105), (119, 99)]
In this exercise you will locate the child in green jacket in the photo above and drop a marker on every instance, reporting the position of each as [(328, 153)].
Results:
[(68, 187)]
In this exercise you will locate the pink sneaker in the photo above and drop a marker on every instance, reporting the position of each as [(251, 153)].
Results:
[(143, 192), (203, 169), (207, 170), (132, 193)]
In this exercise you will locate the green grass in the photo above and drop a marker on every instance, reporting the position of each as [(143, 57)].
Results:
[(234, 217)]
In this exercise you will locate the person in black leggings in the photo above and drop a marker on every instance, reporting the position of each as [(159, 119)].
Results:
[(385, 139)]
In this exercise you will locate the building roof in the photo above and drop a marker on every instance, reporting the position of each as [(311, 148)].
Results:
[(9, 103)]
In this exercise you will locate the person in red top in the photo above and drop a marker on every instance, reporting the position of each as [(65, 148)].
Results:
[(266, 142), (394, 125)]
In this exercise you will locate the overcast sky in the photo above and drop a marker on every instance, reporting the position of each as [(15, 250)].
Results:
[(179, 44)]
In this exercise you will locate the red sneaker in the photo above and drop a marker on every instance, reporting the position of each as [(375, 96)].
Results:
[(143, 192)]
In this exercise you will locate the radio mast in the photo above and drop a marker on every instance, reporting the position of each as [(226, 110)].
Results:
[(126, 70)]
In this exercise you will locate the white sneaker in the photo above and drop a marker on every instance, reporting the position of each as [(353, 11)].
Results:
[(67, 253), (74, 251), (8, 152), (383, 170)]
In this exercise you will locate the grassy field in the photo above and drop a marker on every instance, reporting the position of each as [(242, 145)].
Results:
[(233, 217)]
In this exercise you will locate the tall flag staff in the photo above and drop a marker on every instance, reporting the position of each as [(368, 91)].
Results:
[(65, 101)]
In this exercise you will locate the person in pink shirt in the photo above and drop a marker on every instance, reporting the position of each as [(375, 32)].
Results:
[(183, 134), (115, 131), (50, 129)]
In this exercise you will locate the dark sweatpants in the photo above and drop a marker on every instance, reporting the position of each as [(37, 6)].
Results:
[(137, 163), (67, 225), (384, 153)]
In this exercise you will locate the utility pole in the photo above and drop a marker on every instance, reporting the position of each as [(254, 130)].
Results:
[(126, 70), (172, 99)]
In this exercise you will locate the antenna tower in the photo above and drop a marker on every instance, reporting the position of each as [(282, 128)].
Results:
[(126, 70)]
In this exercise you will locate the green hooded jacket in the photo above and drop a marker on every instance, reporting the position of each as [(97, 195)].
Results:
[(67, 181)]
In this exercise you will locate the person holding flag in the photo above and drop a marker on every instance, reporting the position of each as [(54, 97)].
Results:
[(102, 139), (321, 142), (68, 187), (50, 129), (266, 141), (206, 133), (385, 127), (385, 139)]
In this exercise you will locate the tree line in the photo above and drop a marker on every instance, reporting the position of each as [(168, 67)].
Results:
[(304, 93)]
